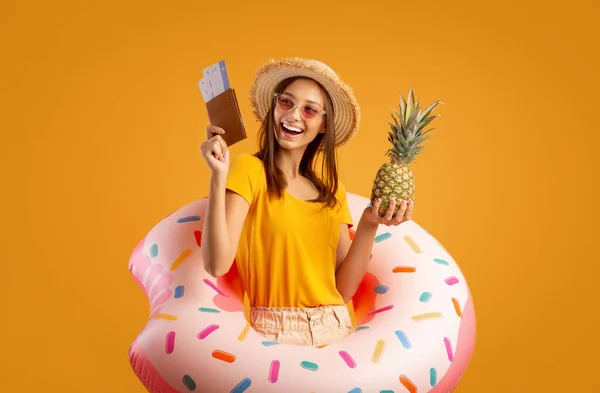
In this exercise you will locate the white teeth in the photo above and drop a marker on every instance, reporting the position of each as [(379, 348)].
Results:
[(291, 128)]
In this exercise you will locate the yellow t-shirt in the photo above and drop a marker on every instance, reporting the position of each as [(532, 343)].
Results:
[(286, 256)]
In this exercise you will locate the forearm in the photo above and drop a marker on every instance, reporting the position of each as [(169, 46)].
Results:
[(351, 271), (216, 251)]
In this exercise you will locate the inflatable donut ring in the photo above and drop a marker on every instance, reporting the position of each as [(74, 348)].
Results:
[(414, 318)]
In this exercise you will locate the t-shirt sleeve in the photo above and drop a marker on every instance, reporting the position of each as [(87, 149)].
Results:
[(244, 171), (344, 210)]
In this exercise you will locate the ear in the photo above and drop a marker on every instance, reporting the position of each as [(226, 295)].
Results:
[(323, 127)]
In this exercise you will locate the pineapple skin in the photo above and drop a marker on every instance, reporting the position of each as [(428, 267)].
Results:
[(394, 181)]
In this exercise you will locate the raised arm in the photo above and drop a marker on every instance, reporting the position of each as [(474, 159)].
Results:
[(223, 222), (226, 211)]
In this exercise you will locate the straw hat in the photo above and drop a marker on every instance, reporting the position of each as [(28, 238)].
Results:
[(345, 107)]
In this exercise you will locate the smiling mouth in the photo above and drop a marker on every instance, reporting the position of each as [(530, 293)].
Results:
[(291, 131)]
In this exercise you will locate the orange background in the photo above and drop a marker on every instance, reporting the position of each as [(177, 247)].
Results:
[(102, 120)]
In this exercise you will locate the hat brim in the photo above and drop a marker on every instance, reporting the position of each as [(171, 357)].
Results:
[(346, 112)]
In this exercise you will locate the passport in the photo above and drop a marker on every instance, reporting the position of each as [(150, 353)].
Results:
[(221, 103)]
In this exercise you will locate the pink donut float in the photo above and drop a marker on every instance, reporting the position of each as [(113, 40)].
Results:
[(415, 323)]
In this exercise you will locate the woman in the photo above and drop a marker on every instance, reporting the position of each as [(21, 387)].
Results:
[(285, 222)]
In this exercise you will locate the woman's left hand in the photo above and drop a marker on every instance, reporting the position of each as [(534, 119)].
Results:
[(404, 213)]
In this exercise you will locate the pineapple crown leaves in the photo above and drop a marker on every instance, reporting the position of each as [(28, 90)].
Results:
[(406, 135)]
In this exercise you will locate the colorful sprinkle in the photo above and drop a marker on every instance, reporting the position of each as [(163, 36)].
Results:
[(407, 383), (348, 359), (269, 343), (170, 344), (361, 328), (432, 377), (168, 317), (309, 366), (382, 309), (179, 291), (188, 219), (404, 269), (274, 371), (403, 339), (206, 309), (180, 259), (206, 331), (378, 352), (425, 296), (189, 383), (198, 237), (242, 386), (244, 332), (386, 391), (382, 237), (224, 356), (457, 307), (412, 244), (355, 390), (429, 315), (381, 289), (448, 345), (321, 346), (213, 286), (441, 261), (154, 251), (451, 280)]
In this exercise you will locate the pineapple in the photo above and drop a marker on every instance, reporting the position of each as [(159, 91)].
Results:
[(394, 179)]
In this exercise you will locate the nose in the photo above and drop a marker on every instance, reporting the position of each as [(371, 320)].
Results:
[(292, 114)]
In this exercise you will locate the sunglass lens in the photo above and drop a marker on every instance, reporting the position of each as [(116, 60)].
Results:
[(309, 112), (285, 103)]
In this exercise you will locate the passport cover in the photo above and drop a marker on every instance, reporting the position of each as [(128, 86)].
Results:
[(223, 111)]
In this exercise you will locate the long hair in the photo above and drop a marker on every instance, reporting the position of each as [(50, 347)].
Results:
[(327, 182)]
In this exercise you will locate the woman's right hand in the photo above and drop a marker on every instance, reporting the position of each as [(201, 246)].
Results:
[(214, 151)]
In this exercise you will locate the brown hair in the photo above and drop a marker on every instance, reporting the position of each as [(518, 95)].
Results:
[(327, 183)]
